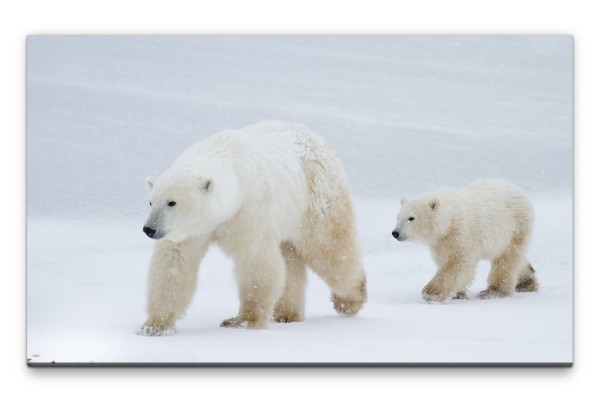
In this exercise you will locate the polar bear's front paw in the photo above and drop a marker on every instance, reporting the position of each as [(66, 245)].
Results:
[(432, 293), (148, 330)]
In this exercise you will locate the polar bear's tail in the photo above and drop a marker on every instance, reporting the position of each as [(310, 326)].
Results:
[(527, 281)]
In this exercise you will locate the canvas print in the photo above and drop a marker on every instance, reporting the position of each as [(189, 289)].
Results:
[(304, 199)]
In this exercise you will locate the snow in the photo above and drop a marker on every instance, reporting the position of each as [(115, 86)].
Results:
[(406, 115)]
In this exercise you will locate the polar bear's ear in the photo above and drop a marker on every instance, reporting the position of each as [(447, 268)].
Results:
[(434, 204), (150, 181), (403, 201)]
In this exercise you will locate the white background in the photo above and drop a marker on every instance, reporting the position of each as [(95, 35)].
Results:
[(372, 17)]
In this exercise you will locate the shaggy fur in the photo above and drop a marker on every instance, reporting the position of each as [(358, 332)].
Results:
[(275, 197), (489, 219)]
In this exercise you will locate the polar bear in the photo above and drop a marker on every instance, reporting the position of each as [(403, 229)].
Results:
[(488, 220), (274, 196)]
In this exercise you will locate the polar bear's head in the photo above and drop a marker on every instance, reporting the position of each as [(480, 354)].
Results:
[(420, 219), (184, 204)]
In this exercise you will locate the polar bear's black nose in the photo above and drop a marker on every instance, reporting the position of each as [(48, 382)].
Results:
[(395, 234), (149, 232)]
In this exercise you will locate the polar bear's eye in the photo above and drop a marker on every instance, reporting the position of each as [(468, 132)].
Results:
[(411, 218), (150, 203), (171, 203)]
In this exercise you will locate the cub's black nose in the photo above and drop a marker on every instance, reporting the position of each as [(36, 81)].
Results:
[(149, 232), (395, 234)]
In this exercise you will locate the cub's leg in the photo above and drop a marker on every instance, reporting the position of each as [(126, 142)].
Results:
[(450, 280), (505, 271), (527, 281), (511, 268)]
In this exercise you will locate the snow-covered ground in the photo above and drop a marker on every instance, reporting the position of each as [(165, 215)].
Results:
[(86, 282), (405, 114)]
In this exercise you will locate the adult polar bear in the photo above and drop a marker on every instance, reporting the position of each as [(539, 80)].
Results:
[(275, 197), (489, 219)]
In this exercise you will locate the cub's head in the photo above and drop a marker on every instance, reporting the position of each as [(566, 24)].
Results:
[(185, 205), (418, 219)]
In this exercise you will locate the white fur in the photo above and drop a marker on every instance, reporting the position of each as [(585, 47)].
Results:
[(487, 220), (271, 195)]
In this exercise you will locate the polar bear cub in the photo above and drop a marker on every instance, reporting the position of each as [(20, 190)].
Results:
[(487, 220), (274, 196)]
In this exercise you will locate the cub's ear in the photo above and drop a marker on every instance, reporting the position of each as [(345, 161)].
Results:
[(403, 201), (207, 185), (434, 204), (150, 182)]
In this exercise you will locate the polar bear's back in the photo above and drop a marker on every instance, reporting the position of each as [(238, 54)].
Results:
[(497, 194), (303, 170), (500, 211), (269, 147), (283, 143), (289, 151), (283, 169)]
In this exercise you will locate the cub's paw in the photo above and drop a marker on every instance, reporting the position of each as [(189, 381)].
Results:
[(493, 292), (529, 284), (248, 324), (460, 295), (232, 322), (287, 317), (148, 330)]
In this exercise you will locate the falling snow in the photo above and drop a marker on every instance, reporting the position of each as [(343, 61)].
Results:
[(405, 114)]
